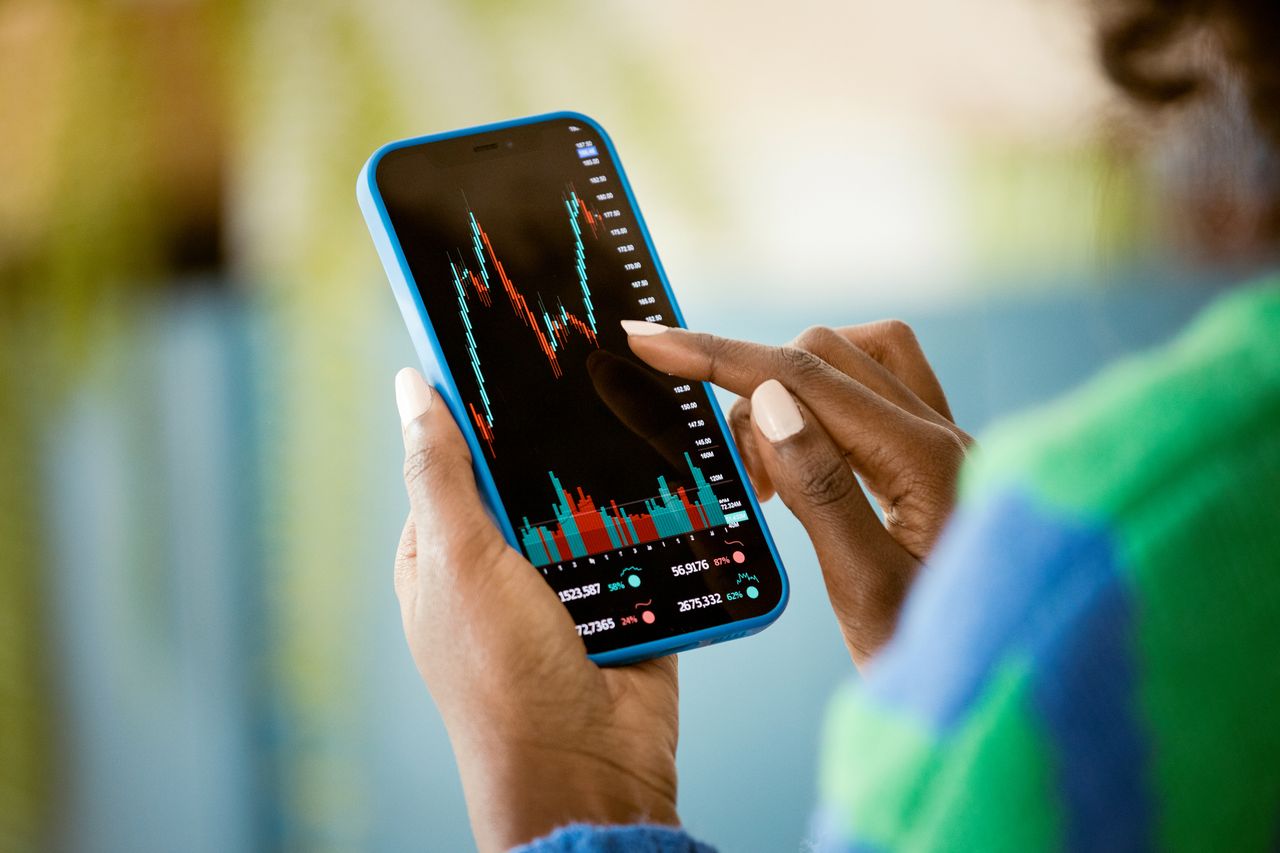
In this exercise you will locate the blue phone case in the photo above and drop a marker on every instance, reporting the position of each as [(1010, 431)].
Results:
[(438, 373)]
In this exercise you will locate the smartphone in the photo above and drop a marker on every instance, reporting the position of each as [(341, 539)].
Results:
[(513, 250)]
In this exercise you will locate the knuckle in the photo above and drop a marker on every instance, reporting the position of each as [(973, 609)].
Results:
[(416, 433), (824, 481), (945, 443), (898, 332), (932, 466), (886, 340), (952, 452), (815, 339), (798, 362), (427, 461), (714, 350)]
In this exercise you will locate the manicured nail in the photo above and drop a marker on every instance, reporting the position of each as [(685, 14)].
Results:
[(642, 328), (413, 395), (775, 412)]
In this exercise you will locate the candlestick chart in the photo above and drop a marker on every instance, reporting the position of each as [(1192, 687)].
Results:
[(580, 527), (617, 481), (474, 271)]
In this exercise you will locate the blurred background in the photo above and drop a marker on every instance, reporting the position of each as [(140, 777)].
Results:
[(200, 459)]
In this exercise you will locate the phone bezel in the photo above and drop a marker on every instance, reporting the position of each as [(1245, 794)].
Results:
[(431, 355)]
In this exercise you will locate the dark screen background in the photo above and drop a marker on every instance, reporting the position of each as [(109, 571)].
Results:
[(607, 424)]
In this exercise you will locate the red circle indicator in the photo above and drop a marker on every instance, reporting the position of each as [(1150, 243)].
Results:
[(739, 557), (648, 617)]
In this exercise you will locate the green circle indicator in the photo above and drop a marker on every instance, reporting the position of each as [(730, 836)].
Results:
[(634, 580), (752, 592)]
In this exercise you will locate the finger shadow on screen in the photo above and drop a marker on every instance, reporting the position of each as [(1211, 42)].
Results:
[(635, 395)]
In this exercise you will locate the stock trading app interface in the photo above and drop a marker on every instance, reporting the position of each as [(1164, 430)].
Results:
[(616, 478)]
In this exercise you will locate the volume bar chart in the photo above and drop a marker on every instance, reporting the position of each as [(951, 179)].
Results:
[(582, 528)]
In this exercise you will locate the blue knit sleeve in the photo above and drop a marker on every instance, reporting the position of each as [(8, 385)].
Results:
[(640, 838)]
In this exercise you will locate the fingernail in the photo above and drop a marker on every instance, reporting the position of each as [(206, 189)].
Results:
[(413, 395), (642, 328), (775, 412)]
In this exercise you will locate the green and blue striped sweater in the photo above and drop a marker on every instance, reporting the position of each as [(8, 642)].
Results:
[(1092, 658)]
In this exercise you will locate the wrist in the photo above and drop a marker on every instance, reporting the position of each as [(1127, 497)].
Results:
[(516, 794)]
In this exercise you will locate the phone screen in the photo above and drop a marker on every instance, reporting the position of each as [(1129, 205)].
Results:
[(616, 479)]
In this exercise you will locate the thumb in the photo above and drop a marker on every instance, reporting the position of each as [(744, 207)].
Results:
[(866, 572), (452, 528)]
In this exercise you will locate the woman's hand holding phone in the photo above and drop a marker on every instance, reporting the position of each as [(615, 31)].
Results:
[(834, 403), (543, 737)]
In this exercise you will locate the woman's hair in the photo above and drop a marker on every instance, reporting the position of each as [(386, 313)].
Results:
[(1144, 50)]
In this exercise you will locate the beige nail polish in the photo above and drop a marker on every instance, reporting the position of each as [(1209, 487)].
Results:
[(642, 328), (413, 395), (775, 412)]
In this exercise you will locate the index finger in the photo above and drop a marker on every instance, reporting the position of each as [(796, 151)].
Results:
[(737, 366), (862, 422)]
